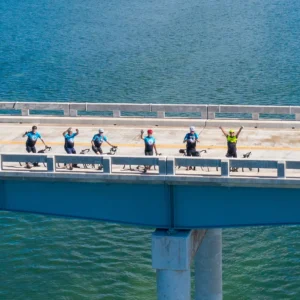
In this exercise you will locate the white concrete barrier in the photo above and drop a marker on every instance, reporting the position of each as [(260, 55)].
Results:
[(166, 165), (202, 111)]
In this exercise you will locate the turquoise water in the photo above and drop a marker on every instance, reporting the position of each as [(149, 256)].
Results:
[(192, 51)]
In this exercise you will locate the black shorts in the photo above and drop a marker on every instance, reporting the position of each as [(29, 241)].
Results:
[(231, 154), (97, 149), (191, 152), (149, 153), (70, 150), (30, 149)]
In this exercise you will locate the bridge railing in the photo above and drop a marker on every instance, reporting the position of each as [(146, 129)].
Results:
[(203, 111), (166, 165)]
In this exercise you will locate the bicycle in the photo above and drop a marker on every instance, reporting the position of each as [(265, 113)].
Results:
[(246, 155), (46, 149), (112, 151), (138, 167), (194, 154), (84, 151)]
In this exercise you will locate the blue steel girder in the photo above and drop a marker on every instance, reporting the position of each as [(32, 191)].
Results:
[(165, 205)]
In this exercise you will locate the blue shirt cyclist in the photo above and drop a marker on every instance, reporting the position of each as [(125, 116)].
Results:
[(98, 140), (69, 140), (191, 139), (32, 137), (149, 141)]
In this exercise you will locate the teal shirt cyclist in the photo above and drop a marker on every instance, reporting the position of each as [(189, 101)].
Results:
[(98, 140), (149, 141)]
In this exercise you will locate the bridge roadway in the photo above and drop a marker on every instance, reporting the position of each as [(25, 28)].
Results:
[(264, 143), (186, 211)]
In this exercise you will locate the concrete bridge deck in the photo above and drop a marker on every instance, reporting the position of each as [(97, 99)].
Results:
[(264, 143)]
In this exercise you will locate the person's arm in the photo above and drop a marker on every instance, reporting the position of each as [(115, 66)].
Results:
[(25, 134), (65, 132), (197, 138), (142, 134), (40, 137), (154, 146), (109, 144), (185, 139), (43, 142), (77, 131), (224, 132), (240, 130)]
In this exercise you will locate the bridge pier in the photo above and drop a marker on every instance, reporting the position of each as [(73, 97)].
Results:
[(172, 254), (173, 284), (208, 267)]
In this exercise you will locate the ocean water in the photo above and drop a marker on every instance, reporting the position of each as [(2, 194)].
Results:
[(217, 51)]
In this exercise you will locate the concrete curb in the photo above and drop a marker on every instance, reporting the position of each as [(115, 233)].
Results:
[(168, 122)]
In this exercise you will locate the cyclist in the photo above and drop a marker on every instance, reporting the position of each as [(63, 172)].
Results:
[(232, 139), (69, 144), (97, 141), (191, 139), (32, 137), (149, 141)]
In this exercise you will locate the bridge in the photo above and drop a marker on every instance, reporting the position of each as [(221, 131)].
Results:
[(187, 208)]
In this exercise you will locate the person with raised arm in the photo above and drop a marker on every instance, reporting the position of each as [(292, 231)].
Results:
[(232, 139), (149, 141), (70, 143)]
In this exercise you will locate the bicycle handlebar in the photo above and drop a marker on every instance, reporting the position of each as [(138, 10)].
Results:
[(85, 151)]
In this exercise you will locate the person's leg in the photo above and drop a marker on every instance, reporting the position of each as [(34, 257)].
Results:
[(188, 153), (147, 153), (95, 150), (99, 149), (68, 151), (73, 151), (28, 149)]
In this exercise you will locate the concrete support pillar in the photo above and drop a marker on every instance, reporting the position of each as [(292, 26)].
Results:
[(204, 114), (208, 267), (211, 115), (173, 285), (73, 113), (25, 112), (116, 113), (172, 253), (225, 168), (161, 114), (170, 166), (66, 111), (281, 167), (162, 165), (51, 164), (255, 116), (106, 164)]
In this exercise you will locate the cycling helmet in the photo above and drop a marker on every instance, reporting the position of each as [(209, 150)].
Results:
[(192, 128), (101, 130), (150, 131)]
